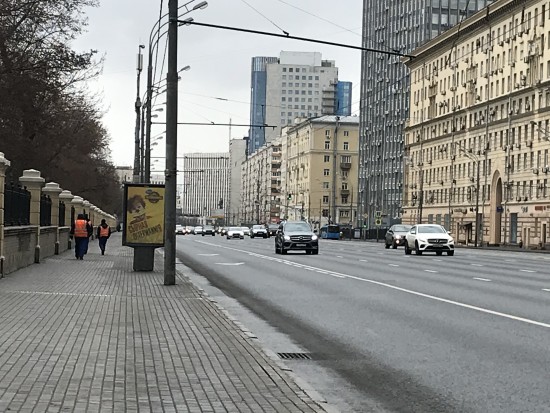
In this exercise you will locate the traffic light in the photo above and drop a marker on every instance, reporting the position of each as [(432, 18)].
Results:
[(289, 197)]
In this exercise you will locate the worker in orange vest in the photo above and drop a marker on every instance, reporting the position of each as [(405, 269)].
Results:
[(81, 231), (103, 234)]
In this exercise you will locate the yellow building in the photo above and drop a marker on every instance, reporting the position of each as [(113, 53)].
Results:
[(478, 134), (319, 170)]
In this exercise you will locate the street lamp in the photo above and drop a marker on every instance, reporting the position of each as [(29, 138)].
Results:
[(137, 107)]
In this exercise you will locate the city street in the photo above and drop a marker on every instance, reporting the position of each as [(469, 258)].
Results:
[(388, 332)]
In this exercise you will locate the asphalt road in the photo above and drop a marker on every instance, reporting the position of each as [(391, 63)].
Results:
[(397, 333)]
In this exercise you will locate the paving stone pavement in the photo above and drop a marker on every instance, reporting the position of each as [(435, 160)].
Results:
[(94, 336)]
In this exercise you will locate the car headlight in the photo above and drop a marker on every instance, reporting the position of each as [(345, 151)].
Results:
[(421, 240), (451, 241), (287, 237), (314, 237), (398, 237)]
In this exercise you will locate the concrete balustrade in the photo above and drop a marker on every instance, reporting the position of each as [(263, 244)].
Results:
[(24, 245)]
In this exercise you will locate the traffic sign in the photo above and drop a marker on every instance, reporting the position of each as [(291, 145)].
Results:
[(378, 222), (378, 214)]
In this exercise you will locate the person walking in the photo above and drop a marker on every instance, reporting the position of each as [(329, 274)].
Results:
[(81, 232), (103, 234)]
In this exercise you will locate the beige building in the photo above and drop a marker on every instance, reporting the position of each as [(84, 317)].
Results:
[(478, 135), (319, 172)]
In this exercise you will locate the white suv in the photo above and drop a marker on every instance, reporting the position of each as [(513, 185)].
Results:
[(429, 237), (258, 231)]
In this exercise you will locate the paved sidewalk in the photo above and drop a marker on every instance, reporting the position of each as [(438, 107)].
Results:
[(94, 336)]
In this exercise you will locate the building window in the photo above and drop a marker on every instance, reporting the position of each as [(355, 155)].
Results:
[(346, 146), (325, 199), (344, 213), (344, 185), (326, 185), (346, 133), (344, 199), (327, 144), (327, 133), (346, 159), (326, 158), (325, 213), (326, 172), (345, 174)]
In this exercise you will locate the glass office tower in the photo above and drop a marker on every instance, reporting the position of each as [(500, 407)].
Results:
[(393, 26)]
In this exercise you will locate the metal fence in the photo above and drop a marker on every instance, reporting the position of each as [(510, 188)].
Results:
[(45, 211), (17, 205), (61, 213)]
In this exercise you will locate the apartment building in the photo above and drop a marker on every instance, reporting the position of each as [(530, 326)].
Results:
[(478, 137), (385, 91)]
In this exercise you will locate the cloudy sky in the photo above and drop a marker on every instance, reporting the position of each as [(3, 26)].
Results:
[(217, 87)]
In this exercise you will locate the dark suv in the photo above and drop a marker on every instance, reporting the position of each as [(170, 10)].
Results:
[(296, 236)]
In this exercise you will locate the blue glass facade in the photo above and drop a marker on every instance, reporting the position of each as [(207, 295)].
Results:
[(343, 98)]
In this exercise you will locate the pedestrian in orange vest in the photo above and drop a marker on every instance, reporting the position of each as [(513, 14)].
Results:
[(103, 234), (81, 231)]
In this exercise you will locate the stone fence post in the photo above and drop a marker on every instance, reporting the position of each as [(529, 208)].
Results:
[(4, 163), (53, 190), (66, 197), (32, 180)]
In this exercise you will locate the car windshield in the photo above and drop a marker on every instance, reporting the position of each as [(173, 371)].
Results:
[(234, 229), (297, 226), (401, 228), (432, 230), (258, 227)]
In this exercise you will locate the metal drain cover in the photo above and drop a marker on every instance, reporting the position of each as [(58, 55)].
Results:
[(294, 356)]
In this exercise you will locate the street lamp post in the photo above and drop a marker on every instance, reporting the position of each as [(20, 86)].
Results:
[(474, 159)]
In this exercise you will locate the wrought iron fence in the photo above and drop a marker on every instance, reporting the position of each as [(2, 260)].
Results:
[(17, 205), (45, 210), (61, 213)]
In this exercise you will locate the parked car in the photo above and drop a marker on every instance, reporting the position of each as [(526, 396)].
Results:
[(258, 231), (246, 230), (180, 230), (296, 236), (208, 230), (197, 230), (395, 236), (429, 237), (235, 232), (272, 229)]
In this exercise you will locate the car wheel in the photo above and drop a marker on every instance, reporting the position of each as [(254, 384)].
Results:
[(276, 249), (315, 252), (416, 249), (407, 249), (439, 253), (283, 251), (450, 253), (386, 245), (394, 245), (308, 252), (227, 237), (252, 236), (213, 235)]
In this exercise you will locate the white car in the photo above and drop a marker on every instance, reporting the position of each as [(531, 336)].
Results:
[(246, 230), (258, 231), (235, 232), (429, 237)]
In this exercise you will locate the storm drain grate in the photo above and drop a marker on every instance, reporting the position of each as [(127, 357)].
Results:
[(294, 356)]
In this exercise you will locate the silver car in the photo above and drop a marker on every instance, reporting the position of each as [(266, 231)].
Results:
[(429, 237)]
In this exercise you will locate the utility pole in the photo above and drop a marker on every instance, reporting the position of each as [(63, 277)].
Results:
[(334, 166), (171, 146), (137, 106)]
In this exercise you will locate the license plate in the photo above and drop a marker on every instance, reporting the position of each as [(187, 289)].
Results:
[(300, 245)]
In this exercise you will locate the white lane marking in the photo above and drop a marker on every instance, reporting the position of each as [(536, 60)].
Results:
[(339, 256), (435, 259), (431, 271), (482, 279), (404, 290), (476, 265), (509, 260), (364, 260), (208, 255), (546, 289), (393, 265), (230, 263), (527, 271)]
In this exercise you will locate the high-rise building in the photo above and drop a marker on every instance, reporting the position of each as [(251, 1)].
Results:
[(237, 155), (385, 92), (296, 84), (205, 187)]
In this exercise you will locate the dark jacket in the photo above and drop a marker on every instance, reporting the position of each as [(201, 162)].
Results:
[(104, 226)]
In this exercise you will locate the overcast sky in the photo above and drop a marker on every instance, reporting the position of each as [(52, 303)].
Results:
[(219, 60)]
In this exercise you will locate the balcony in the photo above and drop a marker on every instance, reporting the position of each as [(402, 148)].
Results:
[(344, 191), (345, 165)]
